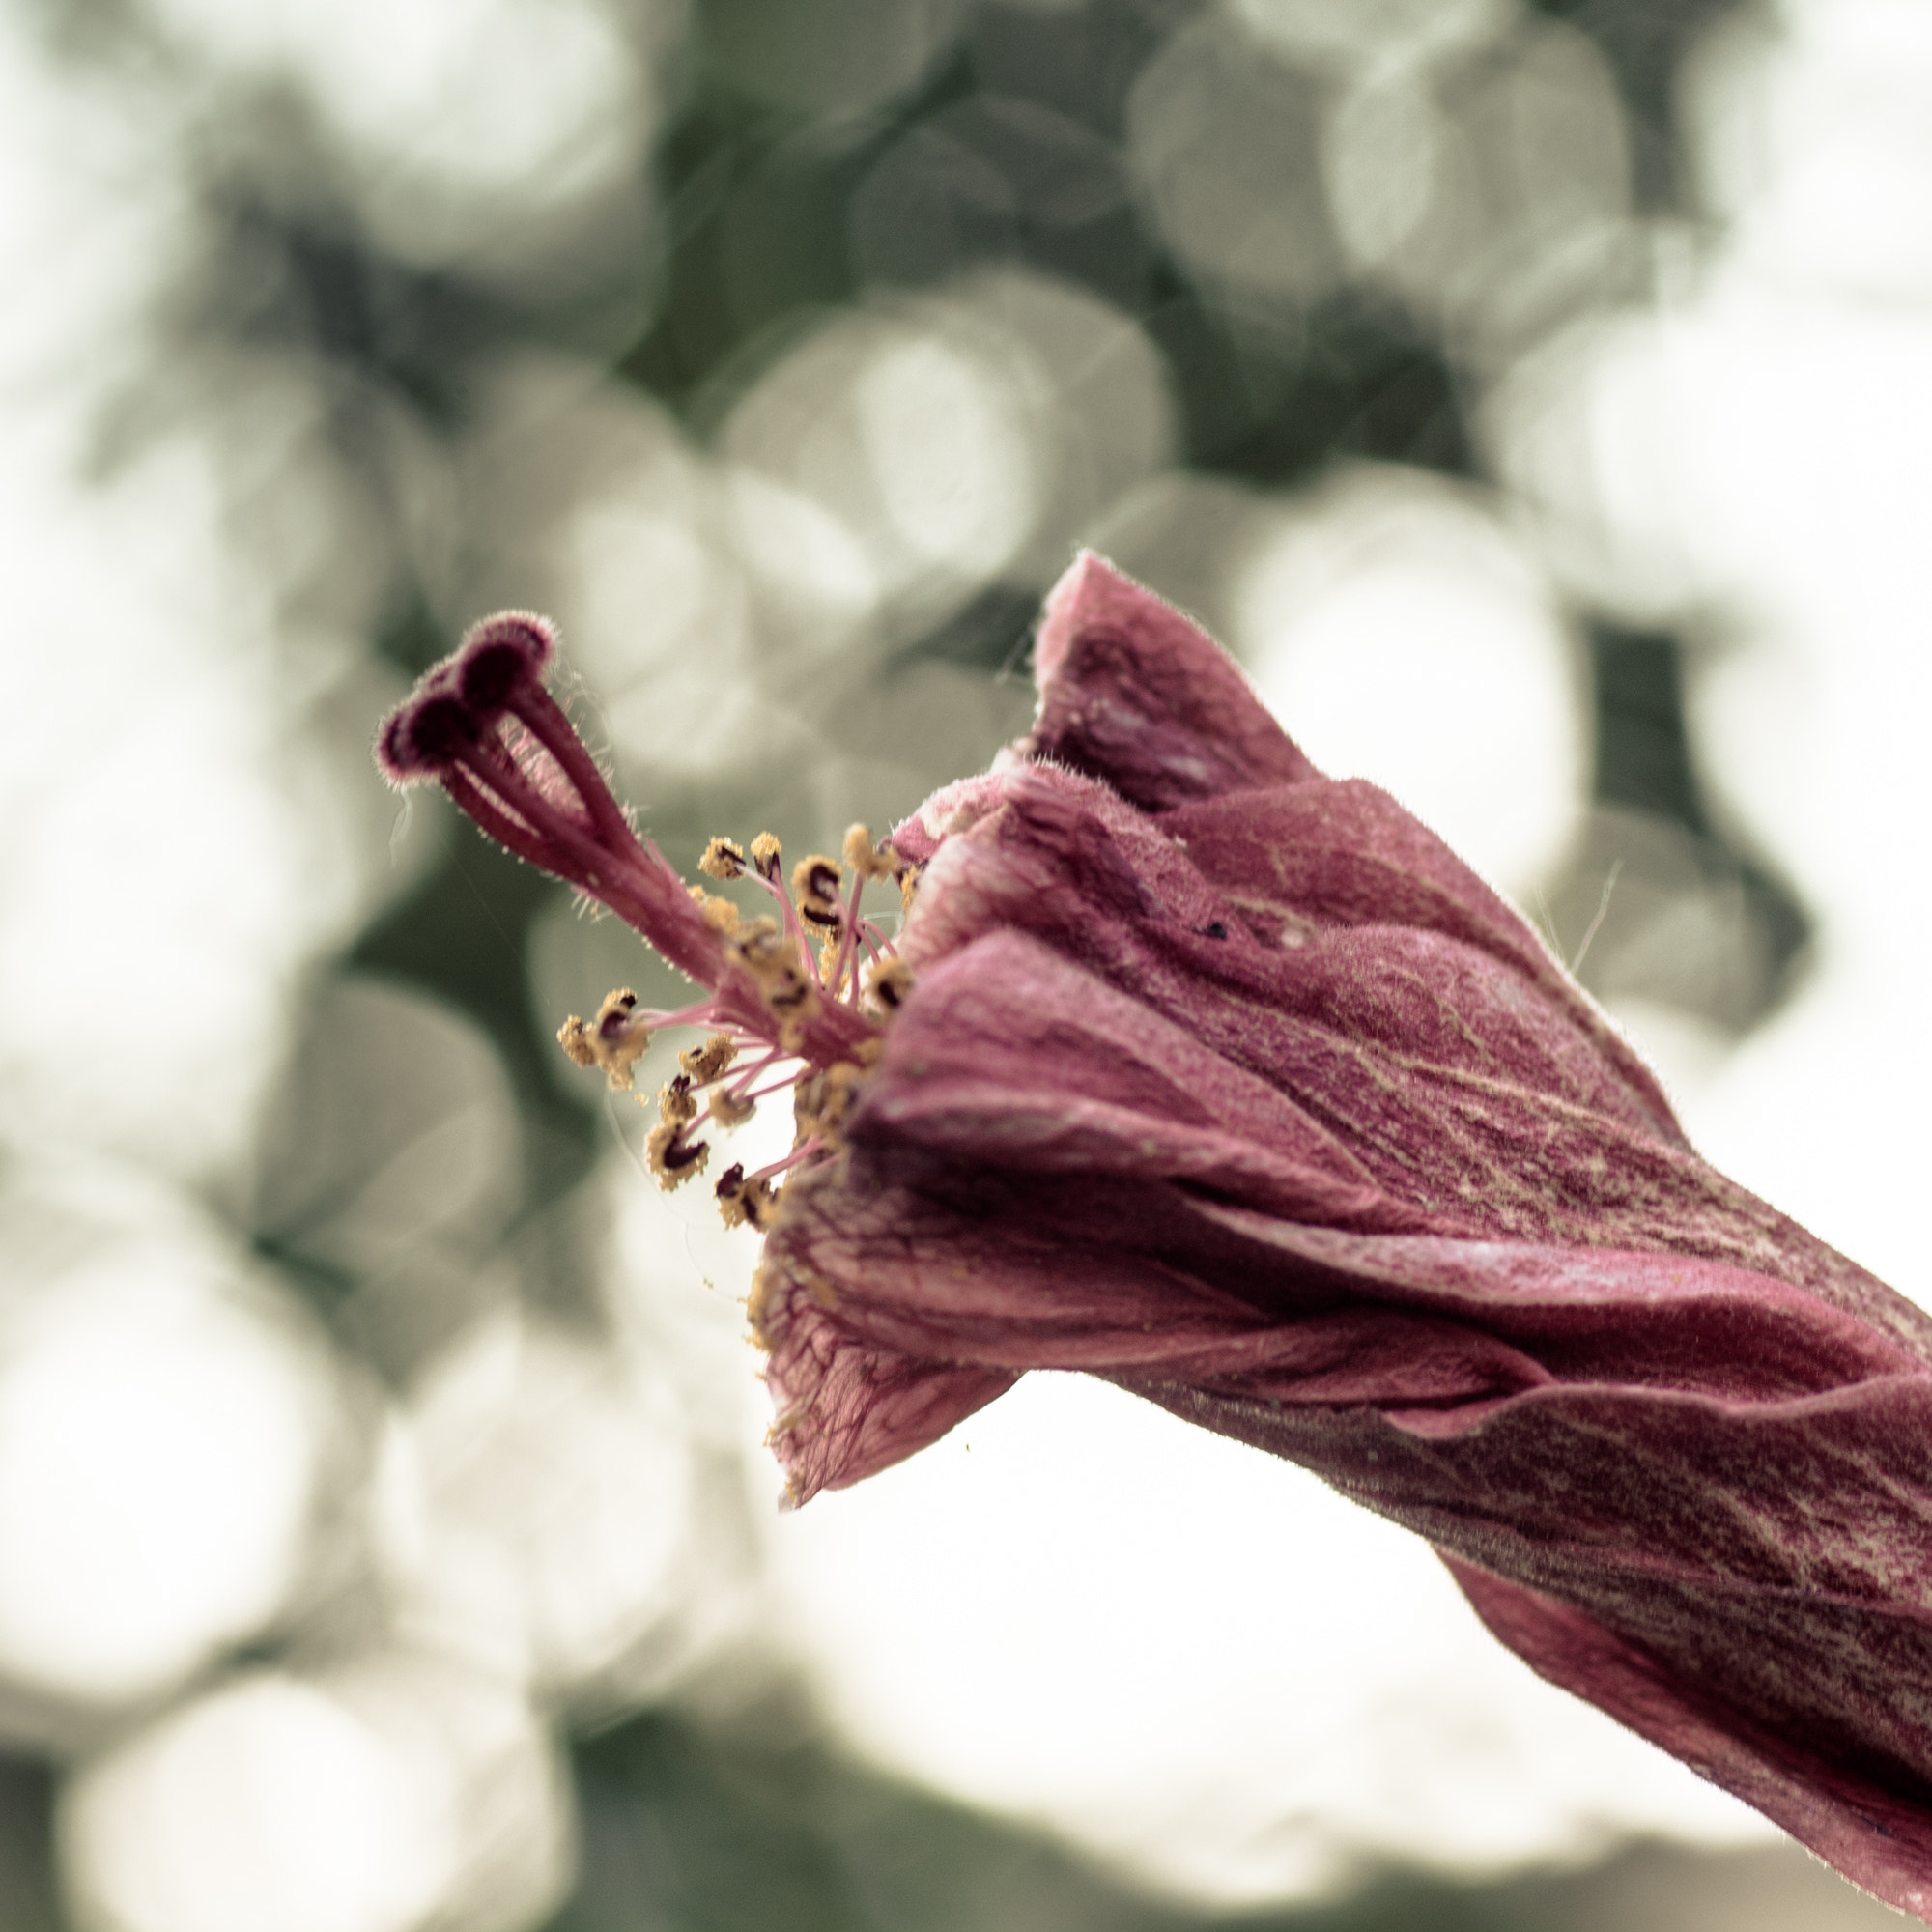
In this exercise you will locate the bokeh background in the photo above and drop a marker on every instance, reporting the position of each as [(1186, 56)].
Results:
[(1537, 397)]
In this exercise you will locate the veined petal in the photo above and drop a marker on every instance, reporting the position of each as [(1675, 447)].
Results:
[(1230, 1083), (1012, 1056), (846, 1409), (1853, 1819), (1343, 853), (1136, 695)]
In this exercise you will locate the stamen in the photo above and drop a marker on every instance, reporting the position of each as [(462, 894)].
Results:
[(765, 851), (821, 1100), (774, 961), (704, 1063), (614, 1041), (674, 1159), (743, 1202), (888, 981), (815, 884), (722, 859), (675, 1106), (864, 857), (759, 945)]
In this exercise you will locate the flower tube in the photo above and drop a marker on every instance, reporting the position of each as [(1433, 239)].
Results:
[(1200, 1072)]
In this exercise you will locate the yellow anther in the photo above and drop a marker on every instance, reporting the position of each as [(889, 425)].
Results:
[(704, 1063), (722, 860), (765, 851), (613, 1041), (821, 1100), (771, 960), (719, 914), (675, 1106), (793, 997), (743, 1202), (814, 887), (888, 981), (864, 857), (674, 1159), (765, 950), (728, 1111), (574, 1037)]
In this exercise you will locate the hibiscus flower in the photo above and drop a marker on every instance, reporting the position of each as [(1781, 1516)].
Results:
[(1227, 1082)]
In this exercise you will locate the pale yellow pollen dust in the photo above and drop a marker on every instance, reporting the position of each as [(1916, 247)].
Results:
[(821, 1100), (888, 981), (816, 884), (771, 958), (864, 857), (774, 957), (719, 914), (832, 963), (613, 1041), (745, 1202), (722, 859), (704, 1063), (674, 1159), (575, 1037), (765, 854)]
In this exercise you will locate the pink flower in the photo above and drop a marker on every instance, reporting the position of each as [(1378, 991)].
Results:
[(1228, 1082)]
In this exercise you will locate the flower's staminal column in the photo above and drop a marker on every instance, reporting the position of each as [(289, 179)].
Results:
[(482, 724)]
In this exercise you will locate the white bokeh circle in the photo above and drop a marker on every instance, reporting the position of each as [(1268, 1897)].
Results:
[(1401, 634), (162, 1456), (267, 1807)]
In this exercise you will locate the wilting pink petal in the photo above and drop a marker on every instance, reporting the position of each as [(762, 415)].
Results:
[(1230, 1083)]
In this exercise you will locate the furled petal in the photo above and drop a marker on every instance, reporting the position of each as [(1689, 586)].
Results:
[(1852, 1820), (1745, 1582), (1230, 1083), (1226, 1081), (1135, 693), (846, 1409), (1019, 1059)]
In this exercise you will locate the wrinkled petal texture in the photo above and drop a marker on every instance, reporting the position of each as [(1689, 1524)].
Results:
[(1228, 1082)]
